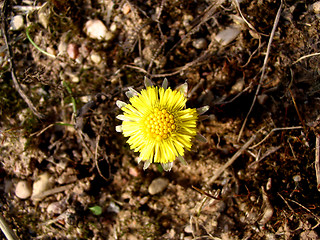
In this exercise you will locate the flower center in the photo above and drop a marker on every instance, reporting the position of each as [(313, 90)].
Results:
[(160, 124)]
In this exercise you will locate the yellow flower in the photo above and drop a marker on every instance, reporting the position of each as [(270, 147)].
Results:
[(158, 124)]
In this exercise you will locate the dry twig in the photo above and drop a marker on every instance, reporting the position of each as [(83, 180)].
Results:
[(275, 24), (16, 84), (306, 56), (297, 110), (317, 161), (274, 130), (315, 216), (96, 150), (7, 231), (231, 160), (52, 191)]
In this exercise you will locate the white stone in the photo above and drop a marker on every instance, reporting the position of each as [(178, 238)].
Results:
[(158, 185), (316, 7), (23, 189), (62, 48), (41, 185), (238, 86), (227, 35), (43, 16), (95, 58), (16, 23), (189, 229), (95, 29), (113, 27)]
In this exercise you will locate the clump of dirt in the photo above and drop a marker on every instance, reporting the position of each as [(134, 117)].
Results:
[(254, 178)]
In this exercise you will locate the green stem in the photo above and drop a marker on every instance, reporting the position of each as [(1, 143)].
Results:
[(36, 46), (74, 107)]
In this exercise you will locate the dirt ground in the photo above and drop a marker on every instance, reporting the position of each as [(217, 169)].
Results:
[(66, 173)]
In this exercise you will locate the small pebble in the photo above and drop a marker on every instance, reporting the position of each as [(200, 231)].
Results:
[(62, 47), (43, 16), (113, 27), (131, 237), (133, 171), (316, 7), (186, 20), (297, 178), (73, 50), (188, 238), (139, 61), (16, 23), (200, 43), (309, 235), (41, 185), (158, 185), (126, 8), (238, 86), (189, 229), (227, 35), (113, 208), (95, 58), (74, 78), (144, 200), (56, 208), (97, 30), (51, 50), (23, 189)]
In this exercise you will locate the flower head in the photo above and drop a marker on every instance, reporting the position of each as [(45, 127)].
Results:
[(158, 124)]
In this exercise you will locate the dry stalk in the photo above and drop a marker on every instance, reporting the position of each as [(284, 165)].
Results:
[(297, 110), (317, 161), (52, 191), (306, 56), (275, 24), (274, 130), (232, 159), (16, 84), (7, 231), (96, 150)]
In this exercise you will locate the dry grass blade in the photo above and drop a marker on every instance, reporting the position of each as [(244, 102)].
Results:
[(317, 161), (297, 110), (306, 56), (274, 130), (7, 231), (275, 24)]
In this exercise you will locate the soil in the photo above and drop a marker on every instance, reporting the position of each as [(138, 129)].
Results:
[(262, 87)]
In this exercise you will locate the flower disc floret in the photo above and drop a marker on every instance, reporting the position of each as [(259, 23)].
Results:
[(159, 125)]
